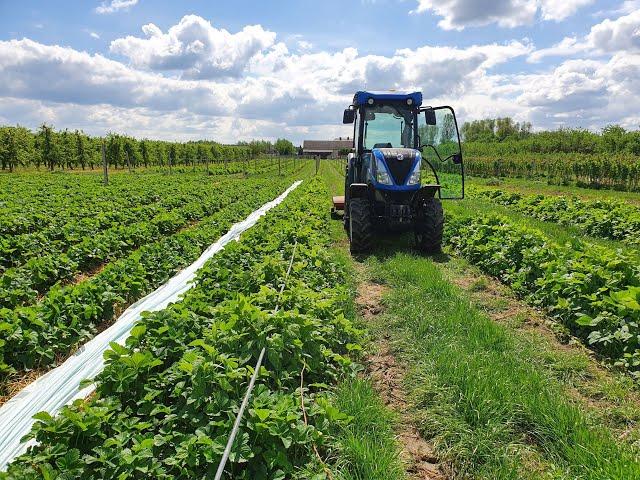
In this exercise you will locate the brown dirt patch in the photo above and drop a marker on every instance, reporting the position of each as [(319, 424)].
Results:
[(386, 375), (12, 386)]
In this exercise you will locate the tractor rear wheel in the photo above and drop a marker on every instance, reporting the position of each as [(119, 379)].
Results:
[(429, 225), (360, 225)]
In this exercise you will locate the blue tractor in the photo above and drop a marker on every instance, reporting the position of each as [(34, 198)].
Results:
[(398, 144)]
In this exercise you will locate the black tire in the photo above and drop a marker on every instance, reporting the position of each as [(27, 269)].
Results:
[(360, 226), (429, 225)]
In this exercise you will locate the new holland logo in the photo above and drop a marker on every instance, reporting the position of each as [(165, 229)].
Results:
[(400, 156)]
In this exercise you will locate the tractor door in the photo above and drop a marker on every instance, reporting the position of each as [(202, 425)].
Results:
[(441, 151)]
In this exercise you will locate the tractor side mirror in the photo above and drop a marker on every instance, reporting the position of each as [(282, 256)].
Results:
[(348, 116), (456, 158), (430, 116)]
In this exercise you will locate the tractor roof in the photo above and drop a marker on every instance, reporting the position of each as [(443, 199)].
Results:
[(360, 98)]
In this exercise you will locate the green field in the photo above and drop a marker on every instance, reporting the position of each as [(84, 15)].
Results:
[(514, 354)]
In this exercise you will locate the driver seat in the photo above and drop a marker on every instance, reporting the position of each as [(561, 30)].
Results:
[(383, 145)]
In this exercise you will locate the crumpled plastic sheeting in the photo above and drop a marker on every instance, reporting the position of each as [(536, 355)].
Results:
[(60, 386)]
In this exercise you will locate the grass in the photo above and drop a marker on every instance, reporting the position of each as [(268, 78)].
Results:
[(368, 448), (498, 400), (492, 412)]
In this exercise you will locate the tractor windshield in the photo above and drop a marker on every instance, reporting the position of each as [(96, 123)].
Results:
[(388, 126)]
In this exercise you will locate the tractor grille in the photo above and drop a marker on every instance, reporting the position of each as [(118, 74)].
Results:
[(399, 169)]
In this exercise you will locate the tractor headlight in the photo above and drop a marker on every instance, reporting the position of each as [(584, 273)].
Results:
[(414, 178), (382, 174)]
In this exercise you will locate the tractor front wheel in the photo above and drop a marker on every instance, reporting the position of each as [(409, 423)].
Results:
[(429, 225), (360, 225)]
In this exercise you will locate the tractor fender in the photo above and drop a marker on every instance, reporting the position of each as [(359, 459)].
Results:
[(358, 190), (426, 191)]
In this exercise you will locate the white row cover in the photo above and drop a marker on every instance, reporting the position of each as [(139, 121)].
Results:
[(60, 386)]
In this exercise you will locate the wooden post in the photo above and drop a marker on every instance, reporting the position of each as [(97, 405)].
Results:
[(317, 164), (104, 165), (279, 168), (169, 163), (128, 162), (206, 161)]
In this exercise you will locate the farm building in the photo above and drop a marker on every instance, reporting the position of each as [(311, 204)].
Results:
[(326, 148)]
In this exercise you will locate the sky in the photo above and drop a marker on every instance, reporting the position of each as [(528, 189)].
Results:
[(265, 69)]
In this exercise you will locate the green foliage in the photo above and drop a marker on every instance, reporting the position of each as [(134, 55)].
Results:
[(590, 289), (502, 147), (486, 395), (610, 219), (19, 147), (285, 147), (142, 246), (166, 401)]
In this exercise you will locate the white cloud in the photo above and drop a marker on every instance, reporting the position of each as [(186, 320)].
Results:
[(458, 14), (33, 70), (195, 48), (115, 6), (94, 35), (558, 10), (588, 93), (616, 35), (607, 37), (270, 91)]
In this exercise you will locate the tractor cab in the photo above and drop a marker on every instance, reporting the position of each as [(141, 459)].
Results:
[(406, 158)]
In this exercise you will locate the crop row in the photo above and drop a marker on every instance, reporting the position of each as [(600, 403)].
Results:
[(166, 401), (22, 285), (610, 219), (592, 290), (620, 172), (34, 336), (32, 202)]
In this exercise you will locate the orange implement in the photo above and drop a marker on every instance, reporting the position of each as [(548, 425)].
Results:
[(338, 203)]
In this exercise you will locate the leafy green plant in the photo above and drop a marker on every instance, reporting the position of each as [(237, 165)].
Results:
[(590, 289), (166, 401)]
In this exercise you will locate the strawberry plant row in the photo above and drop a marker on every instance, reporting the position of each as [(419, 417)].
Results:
[(35, 202), (85, 218), (34, 336), (32, 202), (22, 285), (166, 401), (592, 290), (610, 219)]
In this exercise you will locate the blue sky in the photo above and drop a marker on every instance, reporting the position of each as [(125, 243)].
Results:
[(262, 69)]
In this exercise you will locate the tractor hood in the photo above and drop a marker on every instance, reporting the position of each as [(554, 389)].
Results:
[(399, 161)]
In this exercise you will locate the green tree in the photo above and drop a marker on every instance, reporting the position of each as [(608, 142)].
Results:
[(284, 147), (81, 152), (47, 146)]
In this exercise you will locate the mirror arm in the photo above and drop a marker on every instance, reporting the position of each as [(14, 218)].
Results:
[(435, 174)]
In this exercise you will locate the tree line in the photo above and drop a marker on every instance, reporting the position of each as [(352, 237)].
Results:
[(48, 148), (504, 136)]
